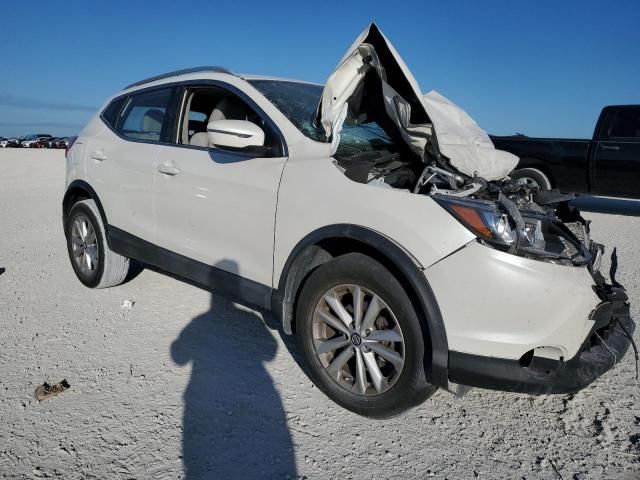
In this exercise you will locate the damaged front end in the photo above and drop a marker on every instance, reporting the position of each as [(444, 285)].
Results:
[(544, 226), (385, 133)]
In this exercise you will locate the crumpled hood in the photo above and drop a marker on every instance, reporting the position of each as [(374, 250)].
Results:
[(467, 146), (372, 81)]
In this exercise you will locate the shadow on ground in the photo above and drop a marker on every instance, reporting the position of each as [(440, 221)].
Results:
[(234, 423), (615, 206)]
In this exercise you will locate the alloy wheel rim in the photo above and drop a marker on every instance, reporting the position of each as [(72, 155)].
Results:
[(84, 245), (528, 181), (358, 340)]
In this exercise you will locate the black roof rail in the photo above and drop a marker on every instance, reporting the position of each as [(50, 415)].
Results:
[(180, 72)]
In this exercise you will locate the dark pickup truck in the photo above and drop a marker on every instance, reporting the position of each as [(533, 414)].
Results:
[(608, 165)]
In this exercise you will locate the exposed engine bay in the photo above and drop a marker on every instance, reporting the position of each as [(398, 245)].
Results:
[(508, 215)]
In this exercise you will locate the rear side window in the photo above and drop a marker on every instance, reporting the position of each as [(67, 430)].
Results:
[(110, 114), (625, 124), (143, 117)]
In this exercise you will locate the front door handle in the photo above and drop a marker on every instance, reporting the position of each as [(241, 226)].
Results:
[(99, 155), (168, 169), (610, 147)]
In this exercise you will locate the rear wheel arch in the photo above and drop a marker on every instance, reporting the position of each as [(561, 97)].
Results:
[(332, 241), (80, 190)]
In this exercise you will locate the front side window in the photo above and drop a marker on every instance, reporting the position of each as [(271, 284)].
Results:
[(206, 104), (143, 116)]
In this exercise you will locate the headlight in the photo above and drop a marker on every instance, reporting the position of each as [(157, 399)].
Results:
[(484, 219), (530, 234)]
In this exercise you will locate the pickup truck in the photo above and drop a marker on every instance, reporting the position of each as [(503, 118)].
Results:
[(608, 165)]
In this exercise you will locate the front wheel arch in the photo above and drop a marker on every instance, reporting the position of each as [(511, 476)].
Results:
[(331, 241)]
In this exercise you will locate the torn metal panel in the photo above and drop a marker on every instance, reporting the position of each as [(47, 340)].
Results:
[(394, 90), (372, 80), (466, 145)]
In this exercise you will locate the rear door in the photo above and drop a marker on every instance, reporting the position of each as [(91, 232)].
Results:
[(615, 168), (120, 159)]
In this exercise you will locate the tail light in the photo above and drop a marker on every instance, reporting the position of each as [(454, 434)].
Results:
[(70, 143)]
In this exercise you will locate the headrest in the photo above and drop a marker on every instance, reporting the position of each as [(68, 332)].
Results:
[(152, 121), (229, 108)]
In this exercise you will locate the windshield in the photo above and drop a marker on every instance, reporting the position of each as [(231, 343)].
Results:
[(299, 101)]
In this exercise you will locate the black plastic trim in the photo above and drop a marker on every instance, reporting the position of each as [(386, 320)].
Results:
[(243, 289), (546, 376), (282, 299), (82, 185)]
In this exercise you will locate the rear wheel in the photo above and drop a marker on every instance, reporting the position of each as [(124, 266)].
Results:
[(95, 265), (532, 177), (361, 337)]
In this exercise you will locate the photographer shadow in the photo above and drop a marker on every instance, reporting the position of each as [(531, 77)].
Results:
[(234, 423)]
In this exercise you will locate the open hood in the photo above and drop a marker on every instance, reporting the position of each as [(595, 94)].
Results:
[(372, 82)]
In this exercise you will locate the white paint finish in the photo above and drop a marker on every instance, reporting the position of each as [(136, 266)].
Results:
[(314, 194), (235, 134), (502, 305), (123, 181), (219, 209)]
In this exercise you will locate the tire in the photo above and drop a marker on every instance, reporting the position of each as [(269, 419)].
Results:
[(532, 176), (95, 265), (395, 319)]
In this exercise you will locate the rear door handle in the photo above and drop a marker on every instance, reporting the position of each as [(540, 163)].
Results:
[(99, 155), (610, 147), (168, 169)]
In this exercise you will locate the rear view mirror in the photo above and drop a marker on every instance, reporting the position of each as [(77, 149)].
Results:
[(235, 134)]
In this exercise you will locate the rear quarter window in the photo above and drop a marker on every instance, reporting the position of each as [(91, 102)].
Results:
[(110, 114)]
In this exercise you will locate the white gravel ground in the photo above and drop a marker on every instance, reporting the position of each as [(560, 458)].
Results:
[(185, 384)]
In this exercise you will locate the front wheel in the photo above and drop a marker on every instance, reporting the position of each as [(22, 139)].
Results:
[(95, 265), (361, 338)]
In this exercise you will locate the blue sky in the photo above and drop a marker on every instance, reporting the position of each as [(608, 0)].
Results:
[(544, 68)]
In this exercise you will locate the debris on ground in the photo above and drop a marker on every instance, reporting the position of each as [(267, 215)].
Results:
[(2, 270), (46, 391), (127, 304)]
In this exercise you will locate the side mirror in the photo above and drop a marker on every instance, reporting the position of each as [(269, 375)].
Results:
[(235, 134)]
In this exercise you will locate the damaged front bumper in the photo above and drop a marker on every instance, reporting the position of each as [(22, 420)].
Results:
[(604, 347)]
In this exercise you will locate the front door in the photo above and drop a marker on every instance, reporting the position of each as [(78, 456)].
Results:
[(616, 155), (215, 205)]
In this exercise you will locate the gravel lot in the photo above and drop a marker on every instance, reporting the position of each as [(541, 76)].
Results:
[(186, 384)]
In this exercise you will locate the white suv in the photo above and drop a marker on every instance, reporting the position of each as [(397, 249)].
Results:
[(379, 225)]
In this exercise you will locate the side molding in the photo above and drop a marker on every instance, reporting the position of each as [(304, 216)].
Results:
[(284, 297), (212, 277)]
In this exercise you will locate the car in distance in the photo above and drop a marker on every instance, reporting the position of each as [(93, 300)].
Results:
[(608, 164), (9, 142), (63, 142), (47, 143), (32, 141), (404, 260)]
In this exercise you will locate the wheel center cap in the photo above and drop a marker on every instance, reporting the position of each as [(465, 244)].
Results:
[(356, 339)]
